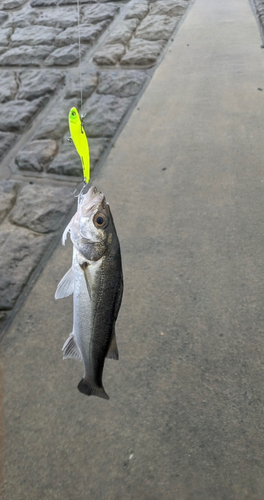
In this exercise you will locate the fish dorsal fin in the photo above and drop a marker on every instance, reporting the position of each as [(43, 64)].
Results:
[(113, 351), (70, 349), (65, 286)]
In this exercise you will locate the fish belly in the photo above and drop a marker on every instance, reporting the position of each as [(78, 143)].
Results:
[(84, 311)]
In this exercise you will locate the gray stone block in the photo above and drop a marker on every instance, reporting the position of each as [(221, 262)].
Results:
[(68, 162), (43, 3), (8, 86), (60, 17), (157, 27), (88, 34), (98, 12), (12, 4), (89, 81), (3, 16), (16, 115), (41, 208), (25, 55), (97, 147), (68, 2), (35, 83), (6, 142), (104, 113), (22, 19), (168, 7), (121, 83), (5, 34), (37, 155), (58, 125), (33, 35), (73, 2), (65, 55), (123, 33), (21, 251), (8, 191), (259, 7), (109, 55), (139, 10), (142, 53)]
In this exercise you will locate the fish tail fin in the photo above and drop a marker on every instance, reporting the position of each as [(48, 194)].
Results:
[(87, 389)]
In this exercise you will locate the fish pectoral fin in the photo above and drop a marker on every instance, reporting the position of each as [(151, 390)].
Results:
[(89, 390), (70, 349), (85, 268), (113, 351), (65, 286), (66, 231)]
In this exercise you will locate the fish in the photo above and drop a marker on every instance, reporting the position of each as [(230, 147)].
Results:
[(78, 137), (96, 282)]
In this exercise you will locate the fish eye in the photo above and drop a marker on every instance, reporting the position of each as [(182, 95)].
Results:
[(100, 220), (73, 113)]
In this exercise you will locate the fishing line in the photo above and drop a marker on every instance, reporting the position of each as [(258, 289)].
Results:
[(79, 37), (78, 135)]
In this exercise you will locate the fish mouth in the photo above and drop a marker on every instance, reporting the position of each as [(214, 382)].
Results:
[(89, 202)]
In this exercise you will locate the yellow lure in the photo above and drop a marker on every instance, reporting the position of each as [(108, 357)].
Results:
[(80, 141)]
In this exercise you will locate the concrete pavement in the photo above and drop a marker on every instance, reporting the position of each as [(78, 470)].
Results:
[(185, 183)]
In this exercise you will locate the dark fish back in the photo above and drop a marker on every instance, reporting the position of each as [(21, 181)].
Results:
[(108, 295)]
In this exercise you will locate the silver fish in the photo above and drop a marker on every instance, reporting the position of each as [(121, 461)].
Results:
[(96, 281)]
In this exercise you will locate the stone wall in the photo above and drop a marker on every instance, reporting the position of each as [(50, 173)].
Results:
[(122, 42), (259, 9)]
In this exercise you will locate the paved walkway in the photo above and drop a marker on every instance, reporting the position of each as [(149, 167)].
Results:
[(185, 183)]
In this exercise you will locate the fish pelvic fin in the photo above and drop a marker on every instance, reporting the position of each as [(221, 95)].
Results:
[(87, 389), (113, 351), (85, 268), (65, 286), (71, 350)]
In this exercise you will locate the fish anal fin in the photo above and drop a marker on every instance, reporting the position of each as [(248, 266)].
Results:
[(87, 389), (65, 286), (71, 350), (113, 350)]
